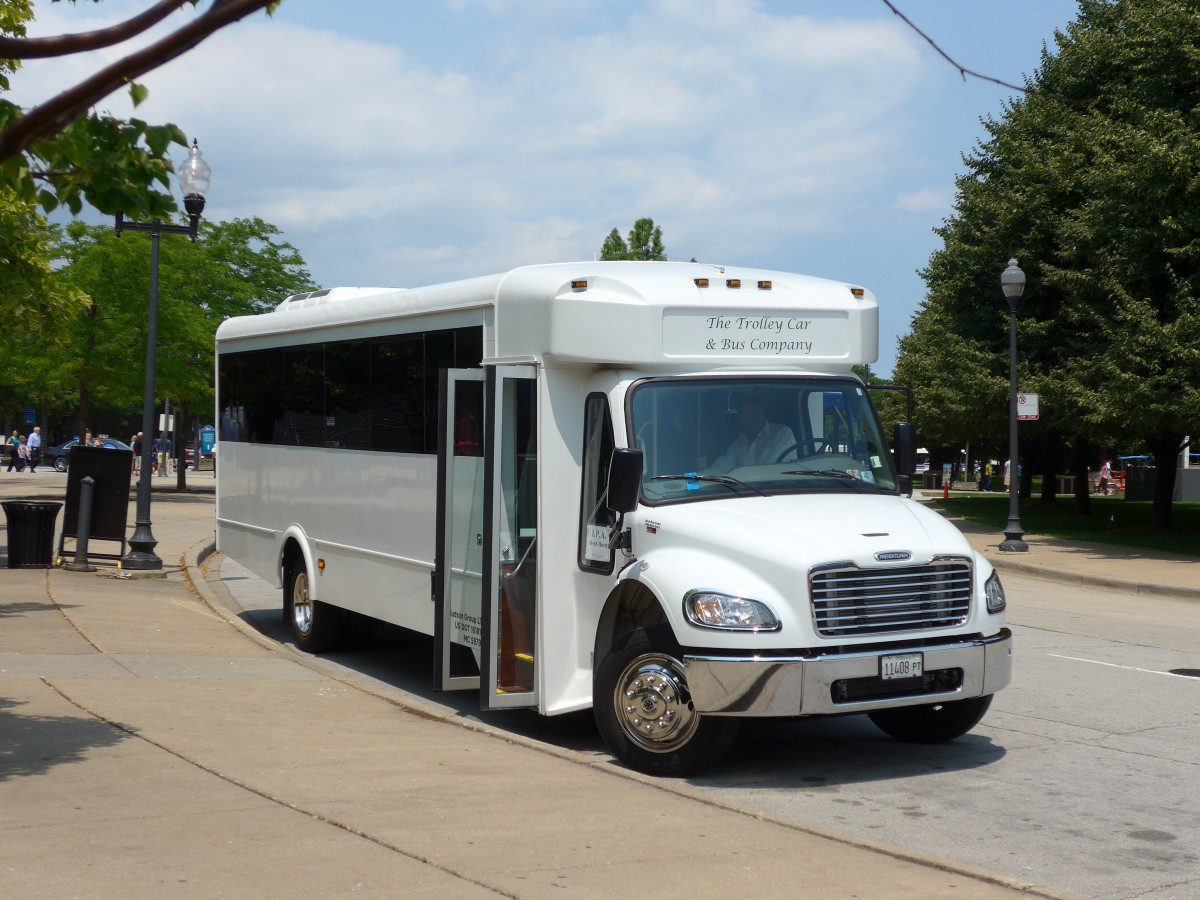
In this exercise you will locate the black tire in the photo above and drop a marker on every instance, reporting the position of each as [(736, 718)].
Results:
[(644, 712), (934, 723), (316, 626), (60, 464)]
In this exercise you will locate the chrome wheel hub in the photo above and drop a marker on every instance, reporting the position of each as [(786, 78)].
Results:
[(302, 607), (653, 705)]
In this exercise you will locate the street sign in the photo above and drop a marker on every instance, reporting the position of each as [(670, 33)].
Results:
[(1027, 407), (30, 415)]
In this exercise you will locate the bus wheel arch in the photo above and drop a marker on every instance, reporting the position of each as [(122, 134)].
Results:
[(316, 626), (640, 699), (630, 606)]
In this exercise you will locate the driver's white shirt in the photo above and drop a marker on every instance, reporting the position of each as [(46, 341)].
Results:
[(766, 447)]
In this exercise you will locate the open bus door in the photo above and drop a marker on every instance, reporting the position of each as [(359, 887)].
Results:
[(458, 579), (486, 579), (511, 540)]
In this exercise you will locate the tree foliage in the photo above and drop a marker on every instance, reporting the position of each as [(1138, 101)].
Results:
[(236, 268), (644, 242), (64, 153), (1097, 197)]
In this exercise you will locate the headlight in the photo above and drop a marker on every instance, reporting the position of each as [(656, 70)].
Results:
[(708, 609), (994, 592)]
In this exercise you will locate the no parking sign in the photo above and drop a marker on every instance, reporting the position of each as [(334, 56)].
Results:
[(1027, 407)]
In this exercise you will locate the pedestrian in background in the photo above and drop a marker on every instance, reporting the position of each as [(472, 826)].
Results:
[(34, 447), (20, 455), (11, 446)]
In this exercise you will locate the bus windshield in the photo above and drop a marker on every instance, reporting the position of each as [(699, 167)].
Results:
[(706, 438)]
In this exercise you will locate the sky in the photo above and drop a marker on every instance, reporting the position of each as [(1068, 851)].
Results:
[(400, 144)]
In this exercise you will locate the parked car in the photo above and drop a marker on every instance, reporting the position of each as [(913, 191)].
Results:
[(189, 454), (60, 454)]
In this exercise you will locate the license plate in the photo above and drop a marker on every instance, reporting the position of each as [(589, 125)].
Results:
[(901, 665)]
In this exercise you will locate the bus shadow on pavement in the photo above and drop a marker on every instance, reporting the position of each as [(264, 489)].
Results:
[(828, 752)]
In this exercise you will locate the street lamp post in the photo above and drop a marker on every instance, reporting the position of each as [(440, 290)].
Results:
[(194, 177), (1012, 282)]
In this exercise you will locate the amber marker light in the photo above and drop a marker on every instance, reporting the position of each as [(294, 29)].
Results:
[(701, 282), (857, 292), (579, 285), (764, 285), (733, 282)]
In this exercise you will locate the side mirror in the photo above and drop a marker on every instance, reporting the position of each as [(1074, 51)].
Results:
[(904, 448), (624, 479)]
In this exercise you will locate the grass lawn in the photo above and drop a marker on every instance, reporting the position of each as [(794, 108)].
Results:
[(1113, 520)]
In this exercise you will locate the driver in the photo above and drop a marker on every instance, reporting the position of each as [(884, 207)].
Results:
[(759, 442)]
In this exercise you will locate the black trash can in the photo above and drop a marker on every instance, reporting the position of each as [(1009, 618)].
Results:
[(30, 533)]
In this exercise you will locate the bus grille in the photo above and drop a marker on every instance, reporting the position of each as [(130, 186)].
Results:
[(853, 602)]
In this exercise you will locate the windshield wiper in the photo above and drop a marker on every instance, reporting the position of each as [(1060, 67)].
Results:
[(728, 480), (831, 473)]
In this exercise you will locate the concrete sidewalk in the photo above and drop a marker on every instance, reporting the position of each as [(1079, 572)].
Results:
[(152, 743)]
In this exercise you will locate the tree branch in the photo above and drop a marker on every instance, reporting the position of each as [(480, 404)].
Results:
[(66, 44), (43, 121), (964, 72)]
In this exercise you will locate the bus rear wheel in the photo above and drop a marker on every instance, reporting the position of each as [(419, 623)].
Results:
[(934, 723), (316, 626), (644, 711)]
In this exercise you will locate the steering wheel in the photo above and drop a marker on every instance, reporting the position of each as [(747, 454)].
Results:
[(818, 445)]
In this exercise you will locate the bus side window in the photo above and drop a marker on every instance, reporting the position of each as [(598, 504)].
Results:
[(596, 519)]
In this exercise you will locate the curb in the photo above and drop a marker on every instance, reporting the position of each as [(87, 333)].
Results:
[(1002, 561)]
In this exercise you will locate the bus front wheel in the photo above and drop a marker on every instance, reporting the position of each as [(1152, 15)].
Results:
[(316, 626), (644, 711)]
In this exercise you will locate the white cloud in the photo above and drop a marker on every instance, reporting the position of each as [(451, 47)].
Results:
[(926, 200), (661, 113)]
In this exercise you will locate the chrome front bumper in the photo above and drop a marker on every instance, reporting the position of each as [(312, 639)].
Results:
[(804, 685)]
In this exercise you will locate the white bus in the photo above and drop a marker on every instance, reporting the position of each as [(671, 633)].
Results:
[(653, 489)]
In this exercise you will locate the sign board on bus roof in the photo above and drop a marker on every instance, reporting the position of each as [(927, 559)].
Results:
[(643, 314)]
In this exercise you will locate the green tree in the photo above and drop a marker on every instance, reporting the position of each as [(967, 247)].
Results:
[(1097, 197), (614, 247), (63, 153), (644, 242), (236, 268)]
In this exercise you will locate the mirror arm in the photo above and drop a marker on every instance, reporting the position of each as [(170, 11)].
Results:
[(622, 537)]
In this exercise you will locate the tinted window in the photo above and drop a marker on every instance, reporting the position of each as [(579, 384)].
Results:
[(379, 394), (397, 404)]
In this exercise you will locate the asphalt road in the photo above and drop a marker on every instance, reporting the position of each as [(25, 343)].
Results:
[(1084, 777)]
